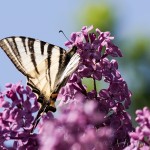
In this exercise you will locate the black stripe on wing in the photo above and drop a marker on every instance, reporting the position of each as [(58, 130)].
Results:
[(23, 41), (61, 59), (42, 47), (15, 48), (35, 90), (32, 54), (49, 53)]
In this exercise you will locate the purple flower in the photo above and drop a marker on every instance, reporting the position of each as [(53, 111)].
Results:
[(75, 129), (140, 138), (94, 119), (18, 104)]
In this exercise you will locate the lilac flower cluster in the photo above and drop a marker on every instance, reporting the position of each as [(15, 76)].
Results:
[(16, 117), (140, 139), (79, 127), (87, 120)]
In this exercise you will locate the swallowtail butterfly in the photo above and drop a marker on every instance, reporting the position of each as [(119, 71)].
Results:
[(46, 66)]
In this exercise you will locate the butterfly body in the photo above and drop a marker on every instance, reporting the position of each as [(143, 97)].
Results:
[(46, 66)]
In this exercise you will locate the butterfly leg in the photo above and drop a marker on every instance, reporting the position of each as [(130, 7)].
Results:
[(44, 105)]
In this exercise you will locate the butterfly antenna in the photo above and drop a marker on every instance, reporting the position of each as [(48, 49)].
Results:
[(60, 31)]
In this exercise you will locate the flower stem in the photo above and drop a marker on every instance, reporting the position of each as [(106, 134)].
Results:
[(95, 88)]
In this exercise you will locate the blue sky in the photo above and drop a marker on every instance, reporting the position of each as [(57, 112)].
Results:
[(44, 19)]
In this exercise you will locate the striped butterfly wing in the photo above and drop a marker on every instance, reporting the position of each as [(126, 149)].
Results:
[(46, 66)]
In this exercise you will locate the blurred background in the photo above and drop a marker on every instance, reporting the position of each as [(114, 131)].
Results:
[(128, 21)]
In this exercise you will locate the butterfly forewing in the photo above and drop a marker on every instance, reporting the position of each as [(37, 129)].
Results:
[(46, 66)]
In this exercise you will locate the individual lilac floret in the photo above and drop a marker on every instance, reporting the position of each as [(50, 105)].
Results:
[(140, 139), (18, 105)]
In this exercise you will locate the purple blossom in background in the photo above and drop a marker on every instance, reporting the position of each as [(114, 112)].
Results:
[(75, 129), (140, 139), (88, 120)]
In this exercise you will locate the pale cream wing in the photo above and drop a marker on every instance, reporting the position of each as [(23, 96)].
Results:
[(37, 60)]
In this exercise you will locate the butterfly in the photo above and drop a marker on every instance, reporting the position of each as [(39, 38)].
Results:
[(47, 67)]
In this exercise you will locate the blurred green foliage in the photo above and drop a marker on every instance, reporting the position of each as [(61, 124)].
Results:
[(138, 56), (100, 16)]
